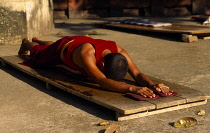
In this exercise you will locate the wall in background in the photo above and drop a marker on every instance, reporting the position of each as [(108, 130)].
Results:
[(120, 8), (24, 18)]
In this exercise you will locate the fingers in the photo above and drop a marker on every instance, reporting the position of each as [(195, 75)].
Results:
[(164, 89), (146, 92)]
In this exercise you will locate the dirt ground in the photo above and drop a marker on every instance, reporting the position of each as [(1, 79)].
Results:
[(27, 107)]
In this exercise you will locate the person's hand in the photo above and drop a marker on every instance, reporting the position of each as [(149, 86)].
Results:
[(162, 88), (144, 91)]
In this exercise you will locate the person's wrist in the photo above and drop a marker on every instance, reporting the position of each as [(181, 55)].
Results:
[(132, 89)]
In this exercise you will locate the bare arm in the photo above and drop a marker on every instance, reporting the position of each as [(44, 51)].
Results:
[(109, 84), (133, 70), (84, 57), (140, 78)]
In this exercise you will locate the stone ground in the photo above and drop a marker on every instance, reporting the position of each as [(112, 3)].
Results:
[(27, 107)]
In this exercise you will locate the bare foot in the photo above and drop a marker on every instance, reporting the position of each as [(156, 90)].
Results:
[(34, 39), (23, 50)]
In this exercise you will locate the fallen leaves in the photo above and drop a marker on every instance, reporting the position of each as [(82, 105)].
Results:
[(93, 32), (185, 122), (105, 123), (110, 129), (113, 129), (201, 112)]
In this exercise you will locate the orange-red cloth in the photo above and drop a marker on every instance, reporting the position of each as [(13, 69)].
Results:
[(99, 45), (50, 54), (47, 55)]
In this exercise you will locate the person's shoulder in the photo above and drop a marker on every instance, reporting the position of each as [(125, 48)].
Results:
[(88, 48), (84, 50)]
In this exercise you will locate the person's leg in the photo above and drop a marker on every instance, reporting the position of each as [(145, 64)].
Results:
[(40, 42), (26, 46)]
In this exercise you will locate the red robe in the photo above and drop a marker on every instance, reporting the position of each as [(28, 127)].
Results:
[(50, 55)]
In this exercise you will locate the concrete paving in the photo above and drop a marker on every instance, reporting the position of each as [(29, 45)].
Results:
[(27, 107)]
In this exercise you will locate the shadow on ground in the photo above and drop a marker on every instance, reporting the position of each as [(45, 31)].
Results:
[(86, 28), (62, 95)]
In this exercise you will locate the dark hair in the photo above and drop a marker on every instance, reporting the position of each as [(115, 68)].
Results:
[(115, 66)]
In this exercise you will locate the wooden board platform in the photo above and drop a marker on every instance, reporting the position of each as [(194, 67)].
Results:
[(200, 17), (175, 28), (124, 107), (197, 31)]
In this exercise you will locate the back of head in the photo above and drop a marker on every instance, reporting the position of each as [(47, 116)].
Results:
[(115, 66)]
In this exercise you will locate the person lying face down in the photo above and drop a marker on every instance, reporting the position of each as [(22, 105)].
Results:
[(103, 61)]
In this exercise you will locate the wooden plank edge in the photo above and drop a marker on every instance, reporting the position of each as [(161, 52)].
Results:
[(3, 64), (206, 38), (123, 26), (120, 117)]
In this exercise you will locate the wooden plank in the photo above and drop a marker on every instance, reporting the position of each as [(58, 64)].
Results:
[(82, 87), (200, 17), (87, 89), (120, 117), (166, 101), (206, 38), (190, 95), (175, 28)]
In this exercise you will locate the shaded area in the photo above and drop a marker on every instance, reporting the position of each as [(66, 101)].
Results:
[(174, 30), (62, 95), (77, 29), (85, 27)]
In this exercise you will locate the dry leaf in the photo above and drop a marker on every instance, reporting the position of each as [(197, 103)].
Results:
[(105, 123), (201, 112), (113, 129), (185, 122), (59, 33), (94, 32)]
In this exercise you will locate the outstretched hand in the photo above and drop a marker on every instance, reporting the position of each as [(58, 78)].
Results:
[(162, 88), (144, 91)]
